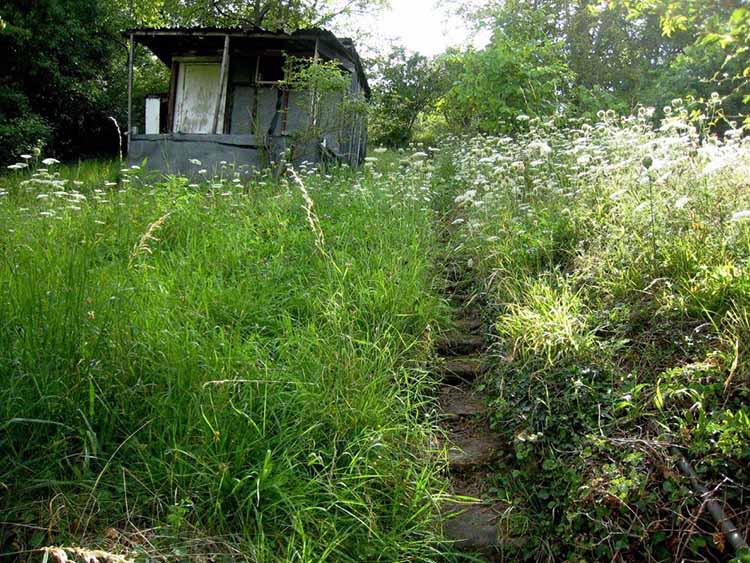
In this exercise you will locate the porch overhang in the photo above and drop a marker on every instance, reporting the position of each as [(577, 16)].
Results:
[(166, 43)]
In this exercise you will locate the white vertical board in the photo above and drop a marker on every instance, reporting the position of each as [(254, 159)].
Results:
[(198, 91), (153, 111)]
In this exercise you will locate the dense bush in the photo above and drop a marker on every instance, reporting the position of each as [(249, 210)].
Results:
[(22, 135), (54, 83)]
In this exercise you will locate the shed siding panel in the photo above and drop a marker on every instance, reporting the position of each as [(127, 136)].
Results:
[(242, 110), (298, 118), (266, 109)]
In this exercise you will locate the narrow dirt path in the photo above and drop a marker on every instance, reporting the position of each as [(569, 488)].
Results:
[(473, 447)]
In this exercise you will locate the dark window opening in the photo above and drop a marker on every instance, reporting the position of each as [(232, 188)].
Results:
[(270, 68)]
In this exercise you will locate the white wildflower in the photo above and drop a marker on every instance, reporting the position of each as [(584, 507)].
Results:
[(716, 164), (682, 202), (745, 214), (50, 161), (663, 178), (543, 148), (468, 195)]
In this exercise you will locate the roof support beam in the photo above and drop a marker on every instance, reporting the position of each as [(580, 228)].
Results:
[(221, 100)]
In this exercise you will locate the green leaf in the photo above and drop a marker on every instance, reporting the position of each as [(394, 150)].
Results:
[(659, 398)]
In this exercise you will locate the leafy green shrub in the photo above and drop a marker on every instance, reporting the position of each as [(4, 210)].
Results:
[(22, 135)]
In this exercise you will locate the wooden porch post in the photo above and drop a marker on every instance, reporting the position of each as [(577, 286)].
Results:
[(222, 85), (131, 55), (314, 92)]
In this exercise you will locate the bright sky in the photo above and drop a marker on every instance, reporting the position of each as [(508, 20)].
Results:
[(420, 25)]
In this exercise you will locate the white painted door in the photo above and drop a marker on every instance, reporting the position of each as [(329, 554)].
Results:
[(198, 90)]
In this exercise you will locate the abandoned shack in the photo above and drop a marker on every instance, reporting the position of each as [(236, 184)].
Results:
[(228, 101)]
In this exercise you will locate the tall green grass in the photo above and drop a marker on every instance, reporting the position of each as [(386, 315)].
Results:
[(185, 373)]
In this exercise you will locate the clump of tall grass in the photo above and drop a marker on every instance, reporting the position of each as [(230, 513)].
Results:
[(547, 324), (240, 395)]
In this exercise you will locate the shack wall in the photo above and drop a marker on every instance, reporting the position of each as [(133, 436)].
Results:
[(172, 153)]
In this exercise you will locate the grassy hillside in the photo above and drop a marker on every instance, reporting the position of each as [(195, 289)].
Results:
[(241, 369), (223, 368)]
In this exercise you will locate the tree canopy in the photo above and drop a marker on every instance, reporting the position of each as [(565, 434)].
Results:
[(269, 14)]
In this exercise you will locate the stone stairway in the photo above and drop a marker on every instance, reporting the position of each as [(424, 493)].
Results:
[(472, 521)]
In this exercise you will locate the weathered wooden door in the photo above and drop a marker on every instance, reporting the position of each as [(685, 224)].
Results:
[(198, 90)]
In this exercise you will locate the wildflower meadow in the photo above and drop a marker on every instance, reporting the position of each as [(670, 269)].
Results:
[(613, 260)]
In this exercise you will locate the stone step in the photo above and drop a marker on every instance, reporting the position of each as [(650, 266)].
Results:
[(470, 448), (474, 527), (456, 344), (468, 325), (462, 284), (457, 273), (456, 402), (464, 369), (462, 300)]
